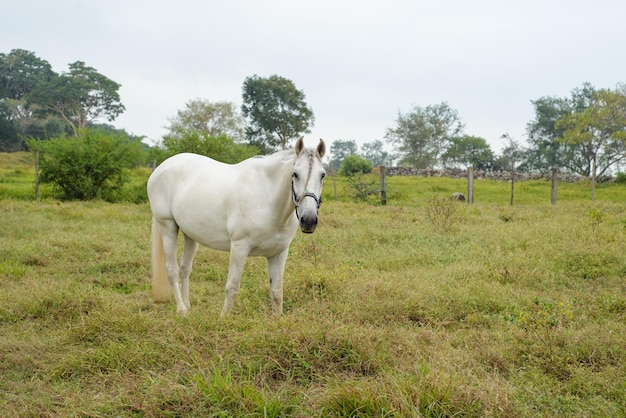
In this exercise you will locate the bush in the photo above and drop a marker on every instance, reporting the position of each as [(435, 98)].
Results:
[(621, 178), (93, 165), (354, 164), (363, 186)]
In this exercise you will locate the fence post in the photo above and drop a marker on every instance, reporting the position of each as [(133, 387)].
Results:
[(553, 192), (512, 180), (383, 186), (37, 174), (470, 184)]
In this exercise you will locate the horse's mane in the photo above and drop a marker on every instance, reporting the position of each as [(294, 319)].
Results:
[(284, 155)]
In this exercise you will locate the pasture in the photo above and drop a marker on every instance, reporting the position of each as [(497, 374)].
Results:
[(422, 307)]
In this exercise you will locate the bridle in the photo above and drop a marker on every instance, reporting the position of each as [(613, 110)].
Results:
[(297, 199)]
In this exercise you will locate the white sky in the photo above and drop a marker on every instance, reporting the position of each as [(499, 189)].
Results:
[(358, 62)]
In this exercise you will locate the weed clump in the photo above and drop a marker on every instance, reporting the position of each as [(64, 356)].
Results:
[(443, 213)]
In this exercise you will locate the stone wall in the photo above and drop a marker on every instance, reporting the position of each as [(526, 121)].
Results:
[(492, 175)]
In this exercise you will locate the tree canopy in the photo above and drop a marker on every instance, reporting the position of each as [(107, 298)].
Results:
[(37, 102), (276, 110), (79, 96), (423, 134), (208, 118), (468, 151), (340, 150), (599, 130)]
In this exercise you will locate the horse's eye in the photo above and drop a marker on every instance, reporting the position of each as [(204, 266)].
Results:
[(323, 175), (295, 176)]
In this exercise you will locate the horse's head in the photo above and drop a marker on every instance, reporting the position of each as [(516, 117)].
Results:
[(306, 183)]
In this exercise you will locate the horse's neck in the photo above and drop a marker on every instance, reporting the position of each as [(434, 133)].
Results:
[(280, 176)]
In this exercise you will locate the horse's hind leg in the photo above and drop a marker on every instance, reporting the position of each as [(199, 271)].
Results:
[(169, 231), (276, 269), (186, 264)]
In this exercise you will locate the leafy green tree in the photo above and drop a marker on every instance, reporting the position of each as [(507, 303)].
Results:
[(93, 165), (546, 150), (79, 97), (375, 152), (423, 134), (21, 72), (210, 119), (468, 151), (340, 150), (276, 110), (599, 130), (9, 139), (355, 164)]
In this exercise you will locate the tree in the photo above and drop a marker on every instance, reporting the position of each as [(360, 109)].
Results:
[(547, 151), (80, 96), (375, 152), (340, 150), (9, 139), (93, 165), (422, 135), (276, 110), (600, 129), (21, 72), (211, 129), (468, 151), (208, 119)]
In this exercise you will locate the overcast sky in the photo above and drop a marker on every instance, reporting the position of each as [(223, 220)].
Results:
[(359, 63)]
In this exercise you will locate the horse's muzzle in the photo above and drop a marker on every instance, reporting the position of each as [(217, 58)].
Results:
[(308, 223)]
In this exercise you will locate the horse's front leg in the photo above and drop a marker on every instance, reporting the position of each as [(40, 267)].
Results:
[(238, 255), (276, 269)]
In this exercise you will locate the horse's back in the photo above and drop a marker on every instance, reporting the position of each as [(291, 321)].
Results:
[(181, 176)]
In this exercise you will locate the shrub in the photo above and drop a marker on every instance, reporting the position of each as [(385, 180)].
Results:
[(442, 213), (93, 165), (354, 164), (363, 186)]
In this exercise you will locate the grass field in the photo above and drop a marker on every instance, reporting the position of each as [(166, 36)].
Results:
[(420, 307)]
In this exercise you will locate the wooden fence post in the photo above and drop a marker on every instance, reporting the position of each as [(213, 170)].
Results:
[(470, 184), (383, 186), (512, 180), (553, 192), (37, 174)]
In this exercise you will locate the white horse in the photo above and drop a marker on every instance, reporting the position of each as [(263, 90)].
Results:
[(245, 208)]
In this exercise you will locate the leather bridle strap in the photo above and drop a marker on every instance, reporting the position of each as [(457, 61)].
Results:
[(297, 199)]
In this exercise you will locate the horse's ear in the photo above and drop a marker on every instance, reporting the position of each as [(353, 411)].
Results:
[(321, 148), (299, 145)]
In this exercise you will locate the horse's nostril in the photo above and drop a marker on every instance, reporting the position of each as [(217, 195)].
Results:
[(308, 224)]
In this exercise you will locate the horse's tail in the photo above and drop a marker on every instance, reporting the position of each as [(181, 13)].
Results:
[(160, 284)]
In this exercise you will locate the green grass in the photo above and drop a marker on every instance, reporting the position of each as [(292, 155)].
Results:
[(491, 311)]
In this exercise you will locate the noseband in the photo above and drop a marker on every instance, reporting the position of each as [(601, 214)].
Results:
[(297, 199)]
